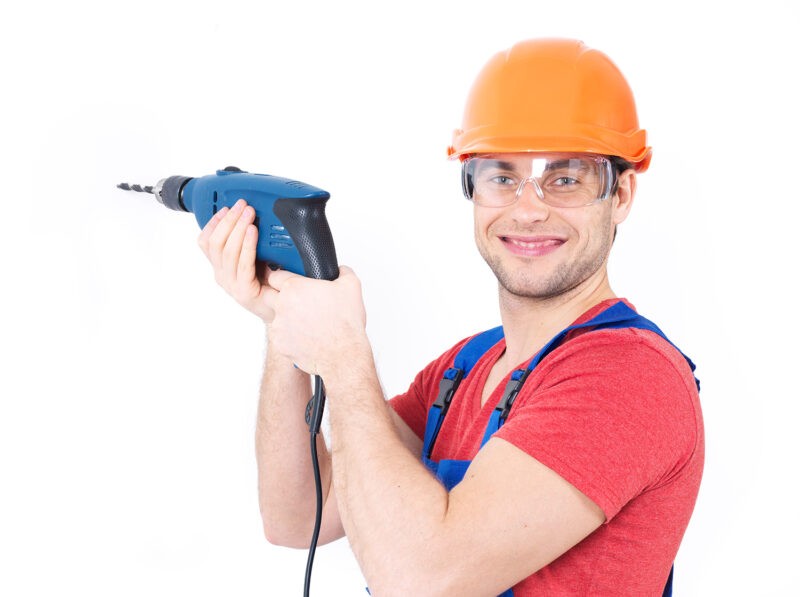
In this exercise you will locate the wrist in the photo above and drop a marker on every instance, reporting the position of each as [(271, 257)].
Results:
[(351, 364), (275, 358)]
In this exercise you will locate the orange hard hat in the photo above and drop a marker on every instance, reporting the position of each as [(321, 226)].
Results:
[(552, 95)]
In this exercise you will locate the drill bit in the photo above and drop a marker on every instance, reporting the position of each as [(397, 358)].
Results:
[(134, 187)]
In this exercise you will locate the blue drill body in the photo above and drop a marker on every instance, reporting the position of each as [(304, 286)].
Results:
[(293, 232)]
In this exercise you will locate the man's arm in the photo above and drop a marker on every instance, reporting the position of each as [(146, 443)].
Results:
[(287, 498), (285, 481), (510, 515)]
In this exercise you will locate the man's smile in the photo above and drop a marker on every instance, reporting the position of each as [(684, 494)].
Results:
[(532, 246)]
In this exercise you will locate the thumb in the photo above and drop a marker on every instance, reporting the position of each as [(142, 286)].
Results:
[(346, 271)]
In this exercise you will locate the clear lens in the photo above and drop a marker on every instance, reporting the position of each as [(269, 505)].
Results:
[(560, 180)]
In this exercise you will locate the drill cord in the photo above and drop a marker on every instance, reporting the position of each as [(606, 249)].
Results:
[(314, 419)]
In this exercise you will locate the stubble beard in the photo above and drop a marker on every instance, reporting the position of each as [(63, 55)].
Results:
[(567, 276)]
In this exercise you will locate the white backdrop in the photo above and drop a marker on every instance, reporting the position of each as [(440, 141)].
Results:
[(129, 379)]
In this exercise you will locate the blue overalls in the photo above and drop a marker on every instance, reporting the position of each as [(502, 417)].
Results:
[(451, 472)]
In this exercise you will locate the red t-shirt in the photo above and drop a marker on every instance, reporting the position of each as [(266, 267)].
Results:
[(614, 412)]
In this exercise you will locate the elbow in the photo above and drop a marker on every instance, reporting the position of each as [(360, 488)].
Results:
[(273, 536), (283, 537), (282, 529), (284, 534)]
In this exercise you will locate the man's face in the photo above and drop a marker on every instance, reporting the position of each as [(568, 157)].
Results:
[(539, 251)]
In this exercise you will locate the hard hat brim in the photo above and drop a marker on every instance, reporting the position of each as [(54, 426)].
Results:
[(482, 141)]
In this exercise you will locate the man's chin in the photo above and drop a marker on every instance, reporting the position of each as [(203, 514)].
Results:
[(524, 285)]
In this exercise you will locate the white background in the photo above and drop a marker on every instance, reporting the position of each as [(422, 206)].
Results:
[(129, 379)]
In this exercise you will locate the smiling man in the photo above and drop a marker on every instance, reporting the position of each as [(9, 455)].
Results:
[(559, 454)]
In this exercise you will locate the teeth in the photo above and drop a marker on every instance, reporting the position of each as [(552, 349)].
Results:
[(532, 245)]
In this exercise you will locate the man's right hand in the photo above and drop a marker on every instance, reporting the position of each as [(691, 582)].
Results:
[(229, 242)]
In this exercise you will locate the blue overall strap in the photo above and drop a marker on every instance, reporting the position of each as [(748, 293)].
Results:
[(668, 587), (465, 360), (617, 316)]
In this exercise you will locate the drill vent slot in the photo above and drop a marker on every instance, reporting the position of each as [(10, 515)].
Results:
[(279, 238), (281, 241)]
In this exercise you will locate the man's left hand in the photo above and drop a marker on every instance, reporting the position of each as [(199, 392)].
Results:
[(316, 323)]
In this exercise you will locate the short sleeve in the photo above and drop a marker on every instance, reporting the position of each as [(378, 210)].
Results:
[(613, 412)]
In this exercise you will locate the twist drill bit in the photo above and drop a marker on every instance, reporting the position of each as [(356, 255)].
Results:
[(134, 187)]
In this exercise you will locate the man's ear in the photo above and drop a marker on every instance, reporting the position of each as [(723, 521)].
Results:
[(623, 200)]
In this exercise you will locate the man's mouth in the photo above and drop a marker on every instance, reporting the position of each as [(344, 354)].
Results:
[(532, 246)]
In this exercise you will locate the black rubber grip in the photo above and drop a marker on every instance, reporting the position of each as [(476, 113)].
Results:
[(305, 221)]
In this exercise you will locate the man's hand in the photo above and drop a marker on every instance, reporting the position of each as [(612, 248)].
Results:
[(229, 241), (316, 323)]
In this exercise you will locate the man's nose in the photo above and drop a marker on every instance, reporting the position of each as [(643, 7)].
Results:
[(530, 195)]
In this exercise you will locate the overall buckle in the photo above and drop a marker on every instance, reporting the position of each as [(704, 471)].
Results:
[(511, 392), (447, 388)]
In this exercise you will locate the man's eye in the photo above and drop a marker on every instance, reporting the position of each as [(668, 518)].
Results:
[(502, 179), (563, 181)]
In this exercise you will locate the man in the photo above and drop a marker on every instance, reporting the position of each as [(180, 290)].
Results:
[(581, 478)]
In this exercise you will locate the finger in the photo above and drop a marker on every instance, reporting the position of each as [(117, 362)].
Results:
[(348, 275), (346, 271), (247, 257), (210, 226), (233, 247), (277, 279), (219, 236)]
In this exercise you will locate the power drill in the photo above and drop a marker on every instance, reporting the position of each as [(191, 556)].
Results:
[(293, 232)]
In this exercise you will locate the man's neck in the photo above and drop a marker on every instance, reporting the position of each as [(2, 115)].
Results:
[(529, 323)]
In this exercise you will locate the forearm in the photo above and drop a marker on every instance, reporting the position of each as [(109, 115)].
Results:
[(390, 505), (285, 481), (392, 508)]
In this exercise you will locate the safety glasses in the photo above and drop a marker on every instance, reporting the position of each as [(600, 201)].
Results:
[(558, 179)]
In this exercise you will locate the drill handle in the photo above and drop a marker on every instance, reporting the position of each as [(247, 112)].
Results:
[(306, 223)]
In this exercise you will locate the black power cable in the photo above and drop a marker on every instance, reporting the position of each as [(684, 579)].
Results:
[(314, 419)]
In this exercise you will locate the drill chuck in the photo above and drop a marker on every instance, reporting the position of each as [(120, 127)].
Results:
[(168, 192)]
